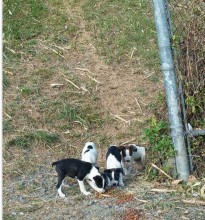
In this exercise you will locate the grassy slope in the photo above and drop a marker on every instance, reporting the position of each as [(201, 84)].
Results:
[(41, 122), (122, 29), (39, 32)]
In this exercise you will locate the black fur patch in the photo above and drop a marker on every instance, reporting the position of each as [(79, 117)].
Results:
[(117, 173), (90, 147), (114, 150), (123, 152), (106, 178), (98, 181), (86, 151)]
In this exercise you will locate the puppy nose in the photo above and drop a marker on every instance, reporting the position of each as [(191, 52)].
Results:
[(114, 184), (127, 160)]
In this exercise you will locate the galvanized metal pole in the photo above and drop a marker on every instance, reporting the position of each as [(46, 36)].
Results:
[(197, 133), (177, 132)]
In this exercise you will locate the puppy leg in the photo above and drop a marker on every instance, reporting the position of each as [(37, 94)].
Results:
[(129, 170), (82, 188), (125, 171), (120, 180), (59, 185)]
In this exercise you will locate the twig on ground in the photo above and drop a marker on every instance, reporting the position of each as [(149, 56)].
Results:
[(141, 200), (202, 191), (86, 70), (148, 76), (93, 79), (155, 166), (132, 53), (126, 142), (65, 78), (6, 71), (56, 85), (148, 173), (61, 48), (193, 202), (163, 190), (139, 105), (7, 115), (83, 69), (56, 52), (122, 119), (11, 50)]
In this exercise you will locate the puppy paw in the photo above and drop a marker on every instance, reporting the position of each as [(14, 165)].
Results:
[(122, 184), (86, 193), (62, 195)]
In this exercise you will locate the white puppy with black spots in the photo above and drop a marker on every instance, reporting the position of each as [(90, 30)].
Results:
[(90, 153), (139, 154), (80, 170), (127, 152)]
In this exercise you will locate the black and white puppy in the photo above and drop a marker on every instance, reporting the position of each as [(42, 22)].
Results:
[(114, 167), (81, 170), (139, 154), (127, 157), (89, 153)]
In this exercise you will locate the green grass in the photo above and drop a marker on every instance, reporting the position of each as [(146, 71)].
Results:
[(26, 21), (122, 29), (23, 19), (26, 141), (6, 81)]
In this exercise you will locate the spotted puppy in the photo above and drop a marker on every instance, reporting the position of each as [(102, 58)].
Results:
[(139, 154), (114, 169), (127, 157), (89, 153), (81, 170)]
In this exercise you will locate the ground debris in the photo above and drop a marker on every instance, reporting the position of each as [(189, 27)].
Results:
[(133, 214)]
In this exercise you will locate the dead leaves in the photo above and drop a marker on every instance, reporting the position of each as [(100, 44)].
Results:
[(133, 214), (124, 198)]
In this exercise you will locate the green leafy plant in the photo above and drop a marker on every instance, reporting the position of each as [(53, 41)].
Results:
[(161, 148), (159, 139)]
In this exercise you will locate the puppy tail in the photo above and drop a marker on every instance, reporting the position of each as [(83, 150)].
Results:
[(55, 163)]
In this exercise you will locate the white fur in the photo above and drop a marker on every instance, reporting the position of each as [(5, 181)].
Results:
[(90, 156), (62, 195), (82, 188), (139, 154), (112, 162)]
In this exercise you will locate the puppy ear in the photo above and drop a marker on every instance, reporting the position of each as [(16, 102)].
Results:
[(99, 181), (120, 170), (107, 171), (132, 147), (121, 147)]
